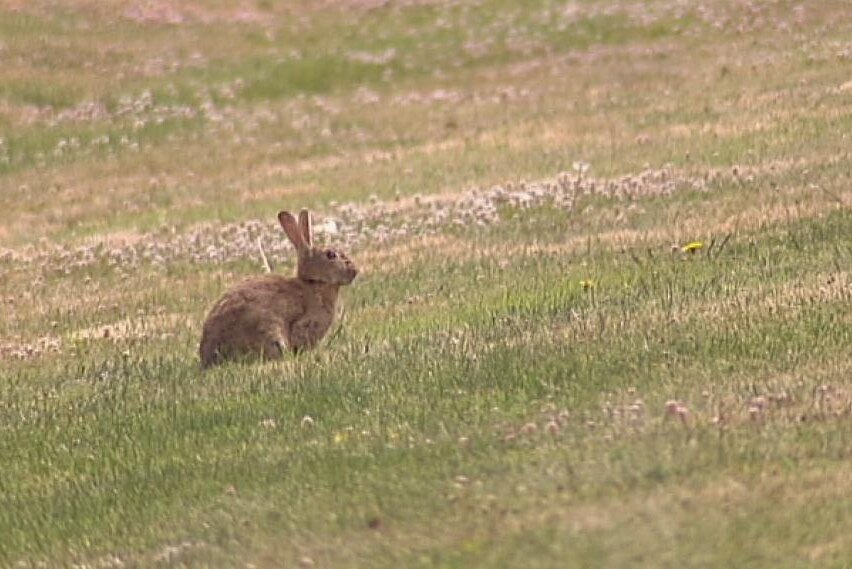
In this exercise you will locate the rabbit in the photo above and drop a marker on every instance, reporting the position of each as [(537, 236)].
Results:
[(265, 316)]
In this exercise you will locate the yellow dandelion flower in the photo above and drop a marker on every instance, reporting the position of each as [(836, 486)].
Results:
[(587, 284), (692, 247)]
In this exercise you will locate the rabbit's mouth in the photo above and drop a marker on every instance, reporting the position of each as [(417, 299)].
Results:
[(350, 274)]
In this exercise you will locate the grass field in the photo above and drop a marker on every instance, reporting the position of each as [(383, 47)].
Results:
[(603, 317)]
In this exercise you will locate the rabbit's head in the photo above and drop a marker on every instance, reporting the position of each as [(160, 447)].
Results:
[(315, 264)]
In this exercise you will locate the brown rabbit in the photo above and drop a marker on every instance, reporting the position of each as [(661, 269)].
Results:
[(263, 316)]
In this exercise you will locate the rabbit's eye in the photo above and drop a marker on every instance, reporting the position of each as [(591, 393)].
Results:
[(330, 254)]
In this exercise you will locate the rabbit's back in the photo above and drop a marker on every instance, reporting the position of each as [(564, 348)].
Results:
[(252, 319)]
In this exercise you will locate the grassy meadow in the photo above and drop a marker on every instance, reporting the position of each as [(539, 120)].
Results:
[(604, 315)]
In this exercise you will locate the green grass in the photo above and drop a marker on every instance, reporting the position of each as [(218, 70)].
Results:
[(479, 406), (151, 431)]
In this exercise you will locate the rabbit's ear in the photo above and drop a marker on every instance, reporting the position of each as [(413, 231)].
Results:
[(291, 228), (305, 225)]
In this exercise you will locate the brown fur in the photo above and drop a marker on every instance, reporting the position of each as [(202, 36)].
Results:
[(264, 316)]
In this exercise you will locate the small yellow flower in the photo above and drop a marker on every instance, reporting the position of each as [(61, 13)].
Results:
[(692, 247), (587, 284)]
